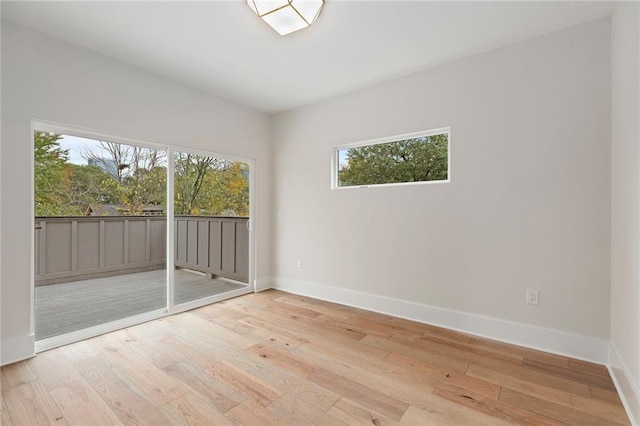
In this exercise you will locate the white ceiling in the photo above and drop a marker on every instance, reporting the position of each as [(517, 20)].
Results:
[(224, 49)]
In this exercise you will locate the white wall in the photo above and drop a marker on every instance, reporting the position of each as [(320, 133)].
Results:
[(527, 206), (49, 80), (625, 203)]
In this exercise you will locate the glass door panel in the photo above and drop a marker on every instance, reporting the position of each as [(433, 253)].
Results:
[(101, 227), (211, 208)]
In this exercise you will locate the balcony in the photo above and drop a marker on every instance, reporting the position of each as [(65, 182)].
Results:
[(93, 270)]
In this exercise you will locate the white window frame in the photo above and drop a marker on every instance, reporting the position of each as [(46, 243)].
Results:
[(335, 158)]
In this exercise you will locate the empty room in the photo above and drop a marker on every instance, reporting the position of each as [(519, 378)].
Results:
[(320, 212)]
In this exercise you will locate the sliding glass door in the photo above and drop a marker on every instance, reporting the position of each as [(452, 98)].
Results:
[(211, 209), (126, 231)]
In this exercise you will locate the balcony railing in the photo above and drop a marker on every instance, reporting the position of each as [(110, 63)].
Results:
[(214, 245), (77, 248)]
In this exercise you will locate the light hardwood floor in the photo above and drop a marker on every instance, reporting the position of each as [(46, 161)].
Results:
[(276, 358)]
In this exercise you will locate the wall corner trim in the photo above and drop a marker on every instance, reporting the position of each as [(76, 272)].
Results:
[(625, 385), (263, 284), (545, 339), (16, 349)]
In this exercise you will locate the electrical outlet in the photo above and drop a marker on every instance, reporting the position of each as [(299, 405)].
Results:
[(532, 296), (299, 264)]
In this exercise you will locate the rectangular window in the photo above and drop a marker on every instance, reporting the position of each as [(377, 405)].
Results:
[(413, 158)]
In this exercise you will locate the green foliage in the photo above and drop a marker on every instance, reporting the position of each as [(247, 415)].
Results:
[(51, 179), (89, 185), (226, 191), (411, 160), (135, 178), (210, 186), (190, 173), (141, 189)]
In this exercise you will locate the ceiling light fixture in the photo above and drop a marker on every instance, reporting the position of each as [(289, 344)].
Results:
[(287, 16)]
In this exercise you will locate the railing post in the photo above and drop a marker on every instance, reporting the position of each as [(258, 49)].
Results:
[(74, 245), (147, 246), (101, 242), (125, 241), (43, 248)]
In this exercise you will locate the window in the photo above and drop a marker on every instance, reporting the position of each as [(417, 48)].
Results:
[(413, 158)]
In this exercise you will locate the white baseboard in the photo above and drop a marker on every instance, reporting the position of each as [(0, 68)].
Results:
[(544, 339), (17, 349), (628, 388)]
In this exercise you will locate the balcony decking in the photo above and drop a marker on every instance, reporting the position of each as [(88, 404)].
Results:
[(72, 306)]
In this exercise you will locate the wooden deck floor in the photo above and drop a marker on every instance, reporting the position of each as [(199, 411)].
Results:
[(275, 358), (63, 308)]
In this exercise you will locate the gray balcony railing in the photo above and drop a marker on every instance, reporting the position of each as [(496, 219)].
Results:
[(77, 248), (214, 245)]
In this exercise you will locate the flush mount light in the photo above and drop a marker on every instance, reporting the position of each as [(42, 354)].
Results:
[(287, 16)]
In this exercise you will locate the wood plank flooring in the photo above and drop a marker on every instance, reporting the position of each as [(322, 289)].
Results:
[(276, 358)]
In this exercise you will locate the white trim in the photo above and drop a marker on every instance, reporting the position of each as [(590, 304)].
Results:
[(262, 284), (86, 333), (628, 390), (544, 339), (335, 157), (395, 138), (82, 132), (32, 232), (253, 222), (387, 185), (171, 231), (198, 303), (17, 349)]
